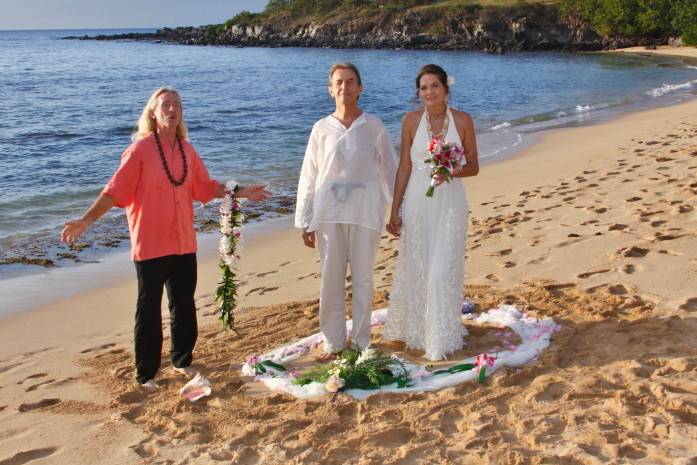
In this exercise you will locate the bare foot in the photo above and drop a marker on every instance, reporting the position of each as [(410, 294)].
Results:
[(186, 371), (150, 385)]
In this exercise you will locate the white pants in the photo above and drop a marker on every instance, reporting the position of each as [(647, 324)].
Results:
[(341, 244)]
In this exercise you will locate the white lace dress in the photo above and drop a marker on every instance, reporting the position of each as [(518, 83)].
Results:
[(426, 298)]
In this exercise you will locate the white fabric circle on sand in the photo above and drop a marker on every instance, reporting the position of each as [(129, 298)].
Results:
[(534, 333)]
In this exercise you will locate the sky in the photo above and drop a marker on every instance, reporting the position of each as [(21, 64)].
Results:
[(102, 14)]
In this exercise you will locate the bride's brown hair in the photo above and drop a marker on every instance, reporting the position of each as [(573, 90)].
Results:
[(433, 69)]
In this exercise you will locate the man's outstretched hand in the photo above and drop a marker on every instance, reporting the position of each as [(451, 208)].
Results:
[(72, 230), (254, 192)]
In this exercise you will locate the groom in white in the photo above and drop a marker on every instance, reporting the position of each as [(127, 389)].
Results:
[(346, 181)]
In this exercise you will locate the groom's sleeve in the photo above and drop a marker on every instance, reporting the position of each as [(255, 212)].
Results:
[(306, 184), (388, 162)]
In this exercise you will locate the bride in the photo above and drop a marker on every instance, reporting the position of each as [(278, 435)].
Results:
[(426, 297)]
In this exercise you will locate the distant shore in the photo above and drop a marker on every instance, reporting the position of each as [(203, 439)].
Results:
[(665, 50), (512, 27)]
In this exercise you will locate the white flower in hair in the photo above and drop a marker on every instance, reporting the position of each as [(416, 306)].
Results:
[(450, 81)]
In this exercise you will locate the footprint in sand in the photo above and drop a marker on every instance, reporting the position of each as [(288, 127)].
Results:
[(492, 277), (37, 375), (659, 236), (634, 251), (268, 289), (690, 305), (144, 450), (43, 403), (117, 351), (617, 289), (547, 391), (34, 387), (617, 227), (123, 372), (645, 214), (628, 269), (588, 274), (670, 252), (265, 273), (500, 253), (256, 289), (5, 368), (102, 347), (26, 456), (633, 199)]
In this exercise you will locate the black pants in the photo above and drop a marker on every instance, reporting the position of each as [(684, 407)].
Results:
[(178, 274)]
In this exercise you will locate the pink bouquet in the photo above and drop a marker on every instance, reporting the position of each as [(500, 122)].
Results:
[(446, 157)]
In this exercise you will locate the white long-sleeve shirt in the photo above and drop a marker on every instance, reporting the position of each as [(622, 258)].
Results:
[(347, 174)]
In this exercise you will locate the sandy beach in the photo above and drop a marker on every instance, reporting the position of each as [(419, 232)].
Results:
[(593, 226), (682, 51)]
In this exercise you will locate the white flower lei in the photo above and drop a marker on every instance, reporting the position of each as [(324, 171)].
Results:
[(230, 247)]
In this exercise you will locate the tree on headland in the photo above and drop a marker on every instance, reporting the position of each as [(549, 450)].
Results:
[(657, 18), (685, 20)]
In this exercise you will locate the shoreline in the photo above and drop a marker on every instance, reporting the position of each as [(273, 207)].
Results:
[(277, 228), (115, 268), (27, 275), (580, 226), (683, 51)]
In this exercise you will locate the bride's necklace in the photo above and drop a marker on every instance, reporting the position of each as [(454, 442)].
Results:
[(174, 182), (433, 120)]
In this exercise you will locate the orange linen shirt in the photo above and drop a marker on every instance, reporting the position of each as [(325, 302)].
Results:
[(160, 215)]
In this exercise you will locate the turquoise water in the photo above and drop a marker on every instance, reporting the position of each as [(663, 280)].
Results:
[(68, 108)]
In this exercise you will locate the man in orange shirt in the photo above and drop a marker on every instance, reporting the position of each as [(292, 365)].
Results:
[(160, 176)]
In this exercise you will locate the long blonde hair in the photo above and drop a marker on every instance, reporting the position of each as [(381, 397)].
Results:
[(146, 123)]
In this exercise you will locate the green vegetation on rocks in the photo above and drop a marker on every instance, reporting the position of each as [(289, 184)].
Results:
[(495, 26), (655, 18)]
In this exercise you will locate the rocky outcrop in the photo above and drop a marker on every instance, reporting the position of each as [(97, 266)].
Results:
[(497, 30)]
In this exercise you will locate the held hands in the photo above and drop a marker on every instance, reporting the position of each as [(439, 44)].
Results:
[(72, 230), (394, 227)]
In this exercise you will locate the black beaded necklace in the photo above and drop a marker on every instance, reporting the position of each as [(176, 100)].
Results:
[(174, 182)]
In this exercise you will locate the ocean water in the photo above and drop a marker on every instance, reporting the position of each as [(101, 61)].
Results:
[(68, 108)]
